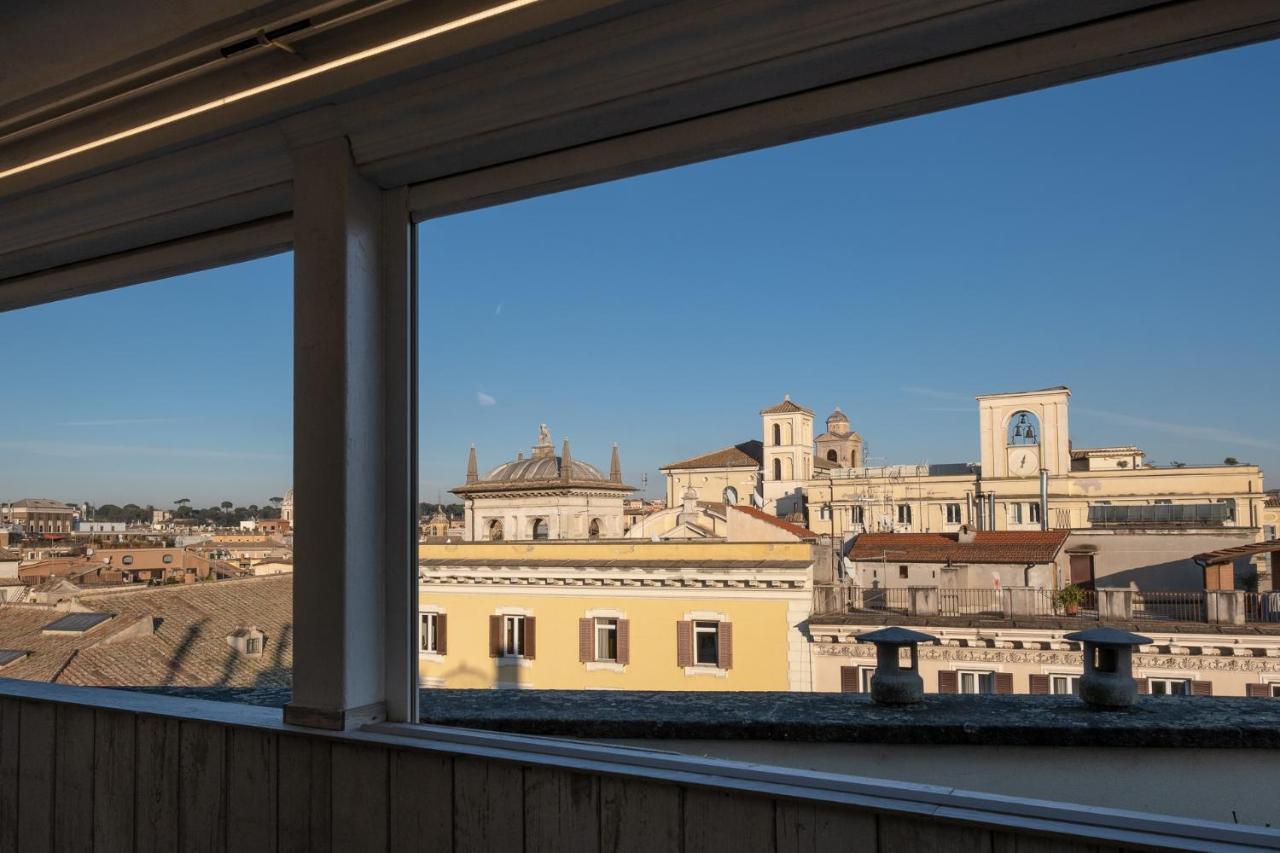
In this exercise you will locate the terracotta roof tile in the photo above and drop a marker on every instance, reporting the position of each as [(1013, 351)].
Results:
[(748, 454), (785, 407), (801, 532), (992, 546)]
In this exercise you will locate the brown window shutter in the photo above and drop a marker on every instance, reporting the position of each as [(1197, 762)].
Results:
[(1144, 686), (530, 637), (585, 629), (684, 644), (724, 638), (442, 633), (1258, 691), (948, 681), (849, 680), (624, 641), (1201, 688), (1039, 684), (495, 636), (1004, 682)]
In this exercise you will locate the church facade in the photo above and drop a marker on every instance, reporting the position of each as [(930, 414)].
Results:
[(1029, 477), (543, 496)]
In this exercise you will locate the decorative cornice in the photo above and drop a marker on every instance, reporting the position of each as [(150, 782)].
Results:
[(1058, 658), (625, 581)]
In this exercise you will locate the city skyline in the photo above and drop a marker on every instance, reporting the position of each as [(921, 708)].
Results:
[(1093, 235)]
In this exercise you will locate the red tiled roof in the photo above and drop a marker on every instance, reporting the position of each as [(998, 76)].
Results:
[(992, 546), (748, 454), (785, 407), (795, 529)]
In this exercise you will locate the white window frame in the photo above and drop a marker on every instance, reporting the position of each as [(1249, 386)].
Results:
[(977, 675), (1015, 513), (1033, 512), (954, 513), (605, 624), (1072, 683), (431, 617), (703, 627), (512, 638), (904, 513), (1152, 681)]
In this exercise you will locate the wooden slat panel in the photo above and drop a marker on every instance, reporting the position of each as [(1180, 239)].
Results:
[(920, 834), (35, 777), (639, 817), (1009, 842), (727, 821), (113, 782), (421, 802), (73, 779), (359, 792), (488, 805), (251, 790), (156, 783), (202, 788), (10, 720), (804, 827), (561, 810), (304, 786)]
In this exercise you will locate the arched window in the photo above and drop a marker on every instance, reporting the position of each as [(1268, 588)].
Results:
[(730, 495), (777, 467), (777, 434), (593, 531), (832, 456), (788, 470), (495, 531), (787, 434), (540, 529), (1023, 429)]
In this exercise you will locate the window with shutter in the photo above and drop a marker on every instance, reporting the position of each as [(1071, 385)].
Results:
[(1004, 682), (495, 636), (724, 636), (1258, 691), (530, 636), (1201, 688), (624, 641), (849, 679), (1038, 684), (948, 681), (1144, 686), (442, 633), (585, 652), (684, 644)]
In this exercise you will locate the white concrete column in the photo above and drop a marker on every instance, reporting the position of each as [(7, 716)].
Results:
[(352, 396)]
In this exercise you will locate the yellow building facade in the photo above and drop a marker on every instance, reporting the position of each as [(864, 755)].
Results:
[(615, 615)]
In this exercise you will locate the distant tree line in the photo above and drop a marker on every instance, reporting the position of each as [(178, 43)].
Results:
[(225, 514), (426, 510)]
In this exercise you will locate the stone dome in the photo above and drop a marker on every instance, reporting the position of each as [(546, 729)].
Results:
[(541, 468)]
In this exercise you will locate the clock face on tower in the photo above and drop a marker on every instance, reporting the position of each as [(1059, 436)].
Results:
[(1024, 461)]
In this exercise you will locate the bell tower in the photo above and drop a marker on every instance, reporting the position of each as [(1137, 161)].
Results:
[(788, 455), (1024, 431)]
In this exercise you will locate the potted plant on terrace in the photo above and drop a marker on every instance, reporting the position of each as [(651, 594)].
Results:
[(1070, 597)]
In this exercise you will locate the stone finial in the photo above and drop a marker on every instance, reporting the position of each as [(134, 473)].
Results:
[(472, 476), (891, 684), (566, 463), (1107, 681), (615, 466)]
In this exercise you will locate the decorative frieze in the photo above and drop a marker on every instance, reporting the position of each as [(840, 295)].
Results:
[(1214, 663)]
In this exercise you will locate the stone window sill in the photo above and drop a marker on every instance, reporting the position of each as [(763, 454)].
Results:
[(523, 663), (706, 670), (605, 666)]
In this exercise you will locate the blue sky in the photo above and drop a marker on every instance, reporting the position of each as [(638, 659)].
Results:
[(1117, 236)]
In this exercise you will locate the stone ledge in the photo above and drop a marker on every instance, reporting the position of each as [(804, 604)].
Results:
[(1156, 721)]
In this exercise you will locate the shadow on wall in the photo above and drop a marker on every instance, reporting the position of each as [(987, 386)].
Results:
[(1169, 576)]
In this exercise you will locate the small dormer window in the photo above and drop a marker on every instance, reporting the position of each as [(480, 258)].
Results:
[(248, 641), (127, 560), (167, 558)]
